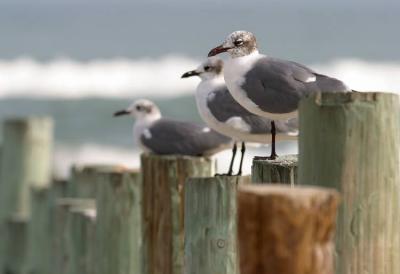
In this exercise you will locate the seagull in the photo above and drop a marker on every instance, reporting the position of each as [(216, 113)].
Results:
[(268, 86), (164, 136), (222, 113)]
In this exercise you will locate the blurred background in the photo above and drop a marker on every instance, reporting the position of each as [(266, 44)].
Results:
[(79, 61)]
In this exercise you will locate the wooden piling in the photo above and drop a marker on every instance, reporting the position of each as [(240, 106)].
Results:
[(60, 238), (38, 249), (15, 245), (286, 230), (83, 181), (282, 170), (163, 202), (81, 240), (210, 225), (119, 223), (59, 190), (351, 142), (25, 162), (81, 243)]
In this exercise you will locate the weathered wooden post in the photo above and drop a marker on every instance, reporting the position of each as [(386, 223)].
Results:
[(61, 259), (83, 182), (59, 189), (283, 170), (163, 201), (15, 245), (25, 162), (286, 230), (210, 225), (38, 252), (119, 223), (81, 240), (351, 142)]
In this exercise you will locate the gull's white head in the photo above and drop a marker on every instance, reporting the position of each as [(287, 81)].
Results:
[(141, 109), (209, 69), (237, 44)]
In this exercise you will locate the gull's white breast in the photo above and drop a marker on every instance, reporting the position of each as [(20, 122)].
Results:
[(235, 127)]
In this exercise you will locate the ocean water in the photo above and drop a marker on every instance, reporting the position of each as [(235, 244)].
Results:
[(80, 62)]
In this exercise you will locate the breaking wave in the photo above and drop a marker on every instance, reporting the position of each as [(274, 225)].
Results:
[(66, 78), (363, 75)]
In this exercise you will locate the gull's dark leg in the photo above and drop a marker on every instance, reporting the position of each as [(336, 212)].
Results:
[(243, 150), (230, 171), (273, 133), (273, 155)]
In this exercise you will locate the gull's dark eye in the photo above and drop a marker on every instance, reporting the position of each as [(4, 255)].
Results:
[(207, 68), (238, 42), (139, 108)]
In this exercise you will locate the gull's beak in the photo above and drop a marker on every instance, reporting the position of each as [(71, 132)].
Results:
[(190, 74), (121, 112), (218, 50)]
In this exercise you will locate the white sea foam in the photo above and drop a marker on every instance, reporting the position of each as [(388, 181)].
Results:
[(65, 78), (92, 154), (363, 75)]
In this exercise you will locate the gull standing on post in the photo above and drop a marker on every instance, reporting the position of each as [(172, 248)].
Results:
[(223, 114), (268, 86), (159, 135)]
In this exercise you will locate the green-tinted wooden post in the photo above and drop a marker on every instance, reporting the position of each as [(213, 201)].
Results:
[(61, 235), (15, 245), (210, 225), (119, 223), (83, 182), (286, 230), (81, 240), (1, 153), (38, 253), (163, 202), (25, 162), (59, 189), (351, 142), (283, 170), (41, 227)]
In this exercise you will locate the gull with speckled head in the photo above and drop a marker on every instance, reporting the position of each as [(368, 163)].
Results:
[(223, 114), (158, 135), (269, 86)]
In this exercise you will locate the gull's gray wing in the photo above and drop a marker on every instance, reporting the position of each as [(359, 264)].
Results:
[(169, 136), (224, 107), (276, 85)]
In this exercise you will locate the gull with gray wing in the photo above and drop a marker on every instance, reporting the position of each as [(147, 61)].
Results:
[(269, 86), (222, 113), (164, 136)]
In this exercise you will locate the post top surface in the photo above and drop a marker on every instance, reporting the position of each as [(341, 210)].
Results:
[(284, 160), (286, 190), (86, 212), (213, 179), (174, 157), (102, 168), (28, 119), (326, 99), (76, 202)]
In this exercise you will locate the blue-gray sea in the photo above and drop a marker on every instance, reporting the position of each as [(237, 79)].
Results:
[(79, 61)]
